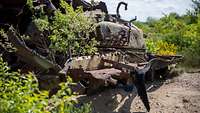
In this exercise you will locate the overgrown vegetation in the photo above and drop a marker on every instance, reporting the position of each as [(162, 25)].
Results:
[(160, 47), (70, 30), (175, 34), (19, 93)]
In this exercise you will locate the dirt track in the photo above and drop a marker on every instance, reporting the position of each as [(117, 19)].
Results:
[(178, 95)]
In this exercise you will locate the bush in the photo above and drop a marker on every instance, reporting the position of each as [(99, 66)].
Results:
[(174, 34), (160, 47), (191, 55), (20, 94), (17, 92), (68, 31)]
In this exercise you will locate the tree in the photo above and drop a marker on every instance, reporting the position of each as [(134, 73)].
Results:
[(196, 6)]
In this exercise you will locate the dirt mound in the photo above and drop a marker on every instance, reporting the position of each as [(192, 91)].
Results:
[(179, 95)]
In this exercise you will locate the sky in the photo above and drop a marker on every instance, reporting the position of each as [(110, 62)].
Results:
[(148, 8)]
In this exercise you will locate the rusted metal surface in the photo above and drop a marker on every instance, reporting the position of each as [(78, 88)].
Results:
[(121, 54), (97, 79), (113, 34)]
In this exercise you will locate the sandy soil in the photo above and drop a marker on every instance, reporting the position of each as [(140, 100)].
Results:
[(177, 95)]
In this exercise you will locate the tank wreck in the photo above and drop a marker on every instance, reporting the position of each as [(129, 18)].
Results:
[(121, 57)]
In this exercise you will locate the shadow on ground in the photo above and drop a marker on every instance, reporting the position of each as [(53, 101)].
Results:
[(116, 100)]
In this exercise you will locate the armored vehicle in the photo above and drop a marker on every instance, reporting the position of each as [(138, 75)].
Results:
[(121, 57)]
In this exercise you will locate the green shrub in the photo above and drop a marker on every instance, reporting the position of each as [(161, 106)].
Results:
[(191, 55), (68, 31), (160, 47), (20, 94), (174, 34), (17, 92)]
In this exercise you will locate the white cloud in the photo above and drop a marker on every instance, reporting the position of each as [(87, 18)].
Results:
[(145, 8)]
